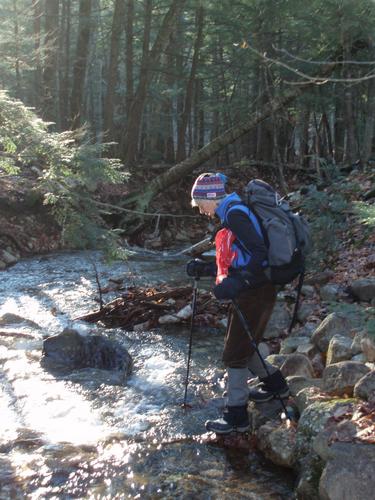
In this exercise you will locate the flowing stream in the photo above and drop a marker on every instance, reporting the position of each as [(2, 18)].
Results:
[(80, 436)]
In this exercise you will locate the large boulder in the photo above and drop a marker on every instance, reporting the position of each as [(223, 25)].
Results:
[(298, 382), (278, 322), (297, 364), (309, 395), (349, 473), (277, 442), (291, 344), (365, 387), (329, 292), (333, 324), (368, 348), (71, 350), (364, 289), (339, 349), (340, 378)]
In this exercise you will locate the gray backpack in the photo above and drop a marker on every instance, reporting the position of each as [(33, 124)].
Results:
[(286, 233)]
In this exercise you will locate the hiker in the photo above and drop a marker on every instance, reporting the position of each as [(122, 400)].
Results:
[(241, 259)]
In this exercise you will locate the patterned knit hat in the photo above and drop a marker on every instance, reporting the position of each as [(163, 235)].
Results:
[(209, 186)]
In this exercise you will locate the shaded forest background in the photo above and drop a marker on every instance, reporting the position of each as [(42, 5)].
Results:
[(163, 78), (279, 89)]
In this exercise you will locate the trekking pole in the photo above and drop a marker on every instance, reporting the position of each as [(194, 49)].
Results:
[(255, 346), (193, 309)]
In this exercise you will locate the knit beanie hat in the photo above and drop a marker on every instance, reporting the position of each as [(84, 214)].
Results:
[(209, 186)]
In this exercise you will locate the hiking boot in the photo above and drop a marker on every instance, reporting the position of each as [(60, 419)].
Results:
[(271, 387), (235, 418)]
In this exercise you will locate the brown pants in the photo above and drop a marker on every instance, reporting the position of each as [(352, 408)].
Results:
[(256, 305)]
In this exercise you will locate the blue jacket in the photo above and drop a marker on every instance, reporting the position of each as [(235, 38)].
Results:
[(249, 243)]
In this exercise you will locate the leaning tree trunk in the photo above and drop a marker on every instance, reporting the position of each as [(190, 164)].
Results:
[(141, 200)]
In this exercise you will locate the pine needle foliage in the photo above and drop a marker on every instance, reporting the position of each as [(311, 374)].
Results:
[(70, 168)]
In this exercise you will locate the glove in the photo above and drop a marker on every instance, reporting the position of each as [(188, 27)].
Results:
[(229, 288), (198, 268)]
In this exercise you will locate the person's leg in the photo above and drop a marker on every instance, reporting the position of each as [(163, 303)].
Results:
[(256, 306), (273, 383)]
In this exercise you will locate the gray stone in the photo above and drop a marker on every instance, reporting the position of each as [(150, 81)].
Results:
[(297, 364), (310, 470), (364, 289), (329, 292), (2, 265), (356, 347), (290, 344), (305, 311), (279, 321), (277, 442), (368, 349), (365, 387), (8, 258), (309, 350), (333, 324), (298, 382), (359, 357), (308, 291), (339, 349), (277, 359), (313, 420), (340, 378), (309, 395), (349, 473), (70, 351), (318, 364)]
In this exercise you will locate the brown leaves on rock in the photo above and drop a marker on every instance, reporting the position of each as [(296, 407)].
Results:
[(353, 423)]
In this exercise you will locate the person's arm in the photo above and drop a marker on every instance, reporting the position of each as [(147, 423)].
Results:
[(245, 232)]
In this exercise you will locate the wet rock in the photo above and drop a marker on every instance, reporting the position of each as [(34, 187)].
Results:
[(365, 387), (297, 364), (289, 345), (329, 292), (14, 319), (339, 349), (333, 324), (340, 378), (349, 473), (277, 442), (364, 289), (279, 321), (8, 258), (70, 350), (368, 349)]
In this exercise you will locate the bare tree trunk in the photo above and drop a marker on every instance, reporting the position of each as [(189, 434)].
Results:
[(151, 57), (181, 143), (369, 124), (17, 53), (51, 14), (129, 55), (80, 64), (37, 15), (117, 23), (65, 27)]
